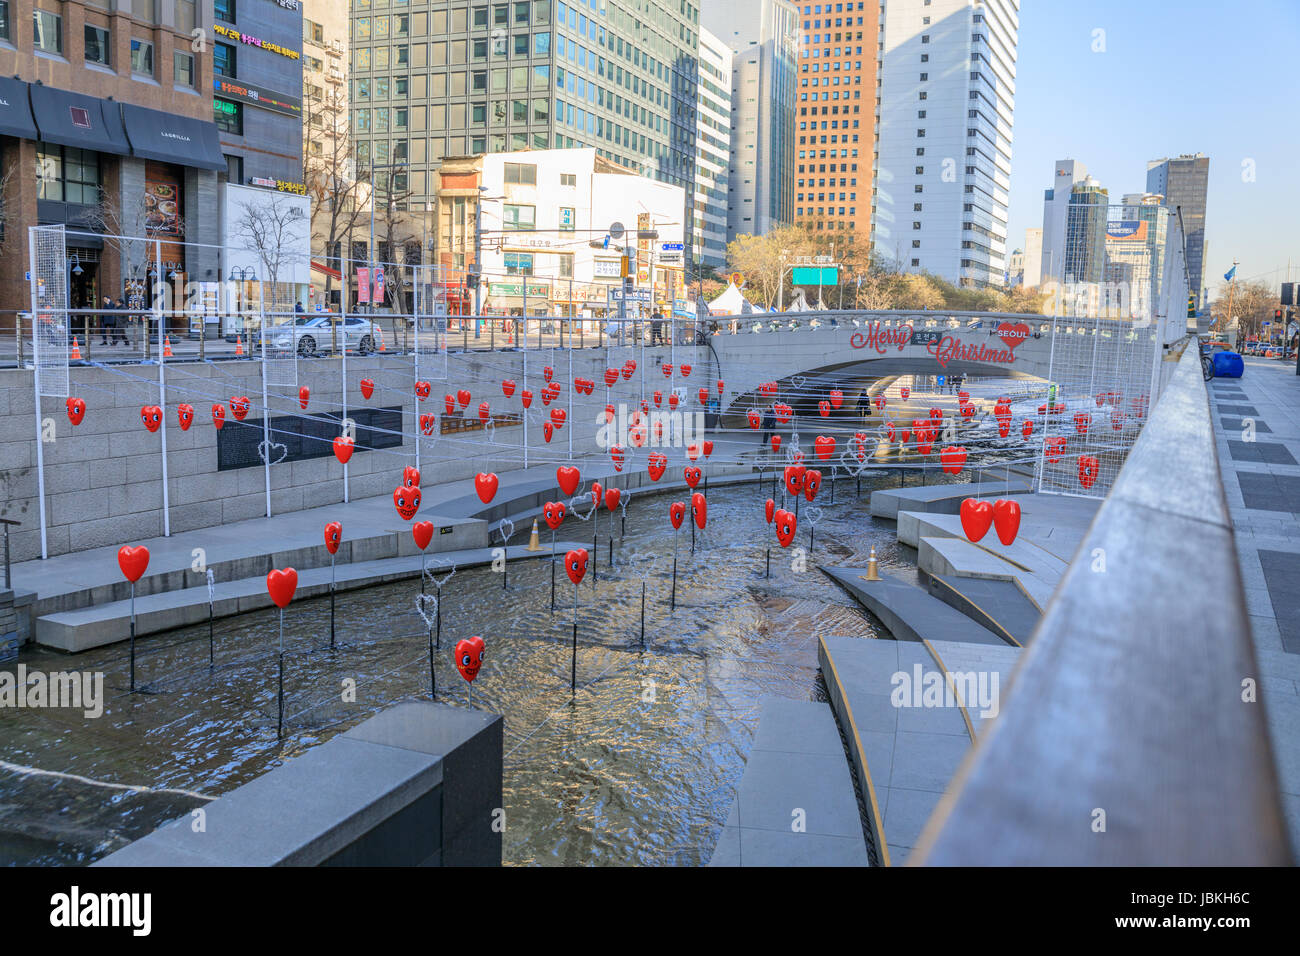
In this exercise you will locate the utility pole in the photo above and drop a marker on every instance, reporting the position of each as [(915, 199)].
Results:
[(478, 257)]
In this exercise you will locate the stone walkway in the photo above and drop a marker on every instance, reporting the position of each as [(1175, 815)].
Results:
[(1257, 431)]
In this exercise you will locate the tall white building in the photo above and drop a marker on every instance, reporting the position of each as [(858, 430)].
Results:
[(946, 91), (712, 153), (764, 39), (1067, 174)]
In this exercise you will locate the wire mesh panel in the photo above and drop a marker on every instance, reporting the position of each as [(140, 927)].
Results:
[(280, 337), (48, 256)]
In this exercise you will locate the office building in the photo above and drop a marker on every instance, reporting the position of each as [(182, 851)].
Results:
[(1135, 254), (1031, 270), (712, 154), (836, 116), (1067, 173), (1085, 233), (945, 101), (1184, 182), (764, 39)]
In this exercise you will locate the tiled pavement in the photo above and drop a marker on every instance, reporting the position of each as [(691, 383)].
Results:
[(1261, 480)]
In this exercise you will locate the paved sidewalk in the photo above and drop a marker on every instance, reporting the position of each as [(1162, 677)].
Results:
[(1257, 430)]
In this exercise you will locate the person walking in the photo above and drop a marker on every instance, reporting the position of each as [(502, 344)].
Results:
[(107, 323)]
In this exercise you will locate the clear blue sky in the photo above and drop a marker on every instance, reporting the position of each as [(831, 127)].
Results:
[(1176, 77)]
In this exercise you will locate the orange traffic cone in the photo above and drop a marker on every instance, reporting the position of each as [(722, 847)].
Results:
[(239, 345), (75, 356), (167, 346)]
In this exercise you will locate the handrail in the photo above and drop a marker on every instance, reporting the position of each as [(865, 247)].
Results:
[(1127, 738)]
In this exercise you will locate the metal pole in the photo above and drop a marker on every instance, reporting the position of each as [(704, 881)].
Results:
[(162, 392), (266, 409), (332, 598), (415, 420), (343, 375), (133, 637), (36, 385)]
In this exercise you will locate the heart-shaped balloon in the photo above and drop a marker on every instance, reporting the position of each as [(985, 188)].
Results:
[(526, 397), (905, 392), (692, 476), (333, 535), (967, 411), (411, 476), (692, 451), (547, 430), (721, 386), (754, 419), (422, 532), (280, 584), (824, 445), (185, 416), (700, 510), (782, 412), (611, 376), (786, 524), (658, 397), (507, 387), (422, 391), (1054, 448), (240, 406), (449, 403), (133, 561), (553, 512), (775, 441), (976, 517), (612, 497), (708, 448), (428, 423), (668, 370), (890, 431), (1006, 519), (304, 396), (558, 416), (1026, 428), (673, 400), (151, 415), (936, 415), (676, 514), (548, 373), (575, 564), (656, 466), (704, 396), (953, 458), (686, 371), (547, 396), (469, 657), (824, 408), (343, 446), (463, 397), (1089, 467), (837, 398), (406, 499), (963, 397), (629, 367), (568, 478), (367, 387), (484, 411), (77, 410), (218, 416), (794, 478), (617, 455), (486, 486), (881, 401), (812, 482), (769, 509)]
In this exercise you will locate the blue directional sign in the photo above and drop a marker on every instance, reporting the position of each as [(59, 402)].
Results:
[(673, 247)]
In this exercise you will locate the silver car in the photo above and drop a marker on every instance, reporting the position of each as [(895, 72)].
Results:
[(312, 334)]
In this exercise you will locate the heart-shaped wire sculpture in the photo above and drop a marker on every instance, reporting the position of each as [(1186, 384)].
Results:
[(506, 529), (427, 607), (438, 582), (264, 448)]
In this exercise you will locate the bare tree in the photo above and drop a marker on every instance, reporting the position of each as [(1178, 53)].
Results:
[(335, 190), (394, 231), (124, 229), (273, 227)]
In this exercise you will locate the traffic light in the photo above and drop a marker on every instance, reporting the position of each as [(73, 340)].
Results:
[(1277, 315), (1288, 294), (1191, 306)]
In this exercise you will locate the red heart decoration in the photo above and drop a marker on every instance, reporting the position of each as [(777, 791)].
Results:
[(428, 423), (704, 396), (686, 371), (547, 396), (825, 447), (953, 458), (1117, 420), (700, 510), (463, 397), (692, 451), (411, 476), (333, 535), (782, 411), (553, 512), (708, 448), (936, 415), (343, 446), (422, 532), (616, 455), (754, 419), (1013, 333), (486, 486), (786, 524), (218, 416), (794, 478), (557, 416), (812, 482), (367, 387), (837, 398), (963, 397), (905, 392), (547, 430), (568, 478), (656, 465), (612, 498), (240, 405), (658, 397), (484, 412), (880, 401), (967, 411), (672, 399), (1054, 448), (1004, 426), (1026, 428), (905, 436), (406, 499), (628, 368), (976, 517), (151, 415), (281, 584), (676, 514), (890, 431), (1006, 519), (668, 370), (721, 386), (609, 414), (133, 561), (1089, 466), (775, 441), (526, 397), (769, 509), (508, 387), (824, 408), (76, 410), (469, 657), (645, 407), (637, 435), (449, 403), (422, 390), (185, 415), (575, 565), (611, 376), (304, 396), (1081, 422), (547, 373), (692, 476)]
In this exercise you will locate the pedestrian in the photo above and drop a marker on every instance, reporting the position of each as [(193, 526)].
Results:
[(107, 323), (769, 426), (864, 405)]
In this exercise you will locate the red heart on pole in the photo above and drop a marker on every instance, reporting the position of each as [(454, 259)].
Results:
[(367, 387), (547, 396), (890, 432), (967, 411), (692, 451), (676, 514), (422, 390), (1089, 466), (794, 478), (721, 386), (568, 478), (553, 512), (406, 499), (700, 510), (645, 407), (963, 397), (824, 408), (786, 524), (469, 657), (151, 415), (333, 535), (575, 564), (463, 397), (486, 486), (976, 517), (609, 414), (837, 398), (692, 476), (132, 561), (547, 430), (612, 497), (616, 455), (659, 398), (769, 509), (673, 399), (611, 376), (422, 532), (484, 412), (812, 482), (824, 445), (754, 419), (905, 436), (628, 368), (686, 371), (411, 476), (548, 373), (449, 403), (281, 584), (1004, 427), (343, 447), (428, 423), (1081, 422), (526, 397), (668, 370), (240, 405), (656, 465), (1026, 428), (218, 416), (775, 441), (1013, 333), (185, 416), (880, 401), (1006, 519), (708, 447), (508, 387), (76, 410), (704, 396), (304, 396), (905, 392), (953, 458)]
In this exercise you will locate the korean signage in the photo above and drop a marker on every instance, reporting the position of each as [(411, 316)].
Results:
[(1127, 230), (247, 93), (251, 40), (536, 290), (607, 268)]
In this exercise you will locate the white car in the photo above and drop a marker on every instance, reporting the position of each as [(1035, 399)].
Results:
[(312, 334)]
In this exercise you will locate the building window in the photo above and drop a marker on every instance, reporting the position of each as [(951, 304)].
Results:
[(568, 179), (229, 116), (224, 10), (66, 174), (97, 46), (223, 60), (523, 174), (4, 20), (566, 265), (519, 263), (183, 69), (47, 31), (141, 57), (519, 218), (234, 168), (568, 219)]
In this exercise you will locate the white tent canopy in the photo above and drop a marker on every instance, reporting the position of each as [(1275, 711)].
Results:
[(731, 302)]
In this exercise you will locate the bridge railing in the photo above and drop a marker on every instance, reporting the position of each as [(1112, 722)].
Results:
[(1132, 734)]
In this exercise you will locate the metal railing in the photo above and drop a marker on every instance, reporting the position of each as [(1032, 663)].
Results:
[(1129, 736)]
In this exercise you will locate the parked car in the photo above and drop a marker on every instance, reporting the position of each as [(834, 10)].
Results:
[(311, 334)]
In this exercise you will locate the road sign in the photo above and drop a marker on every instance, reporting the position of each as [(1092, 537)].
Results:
[(738, 279), (672, 247), (631, 295), (816, 275), (616, 230)]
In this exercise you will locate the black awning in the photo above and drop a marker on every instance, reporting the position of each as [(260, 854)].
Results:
[(76, 119), (15, 110), (168, 138)]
